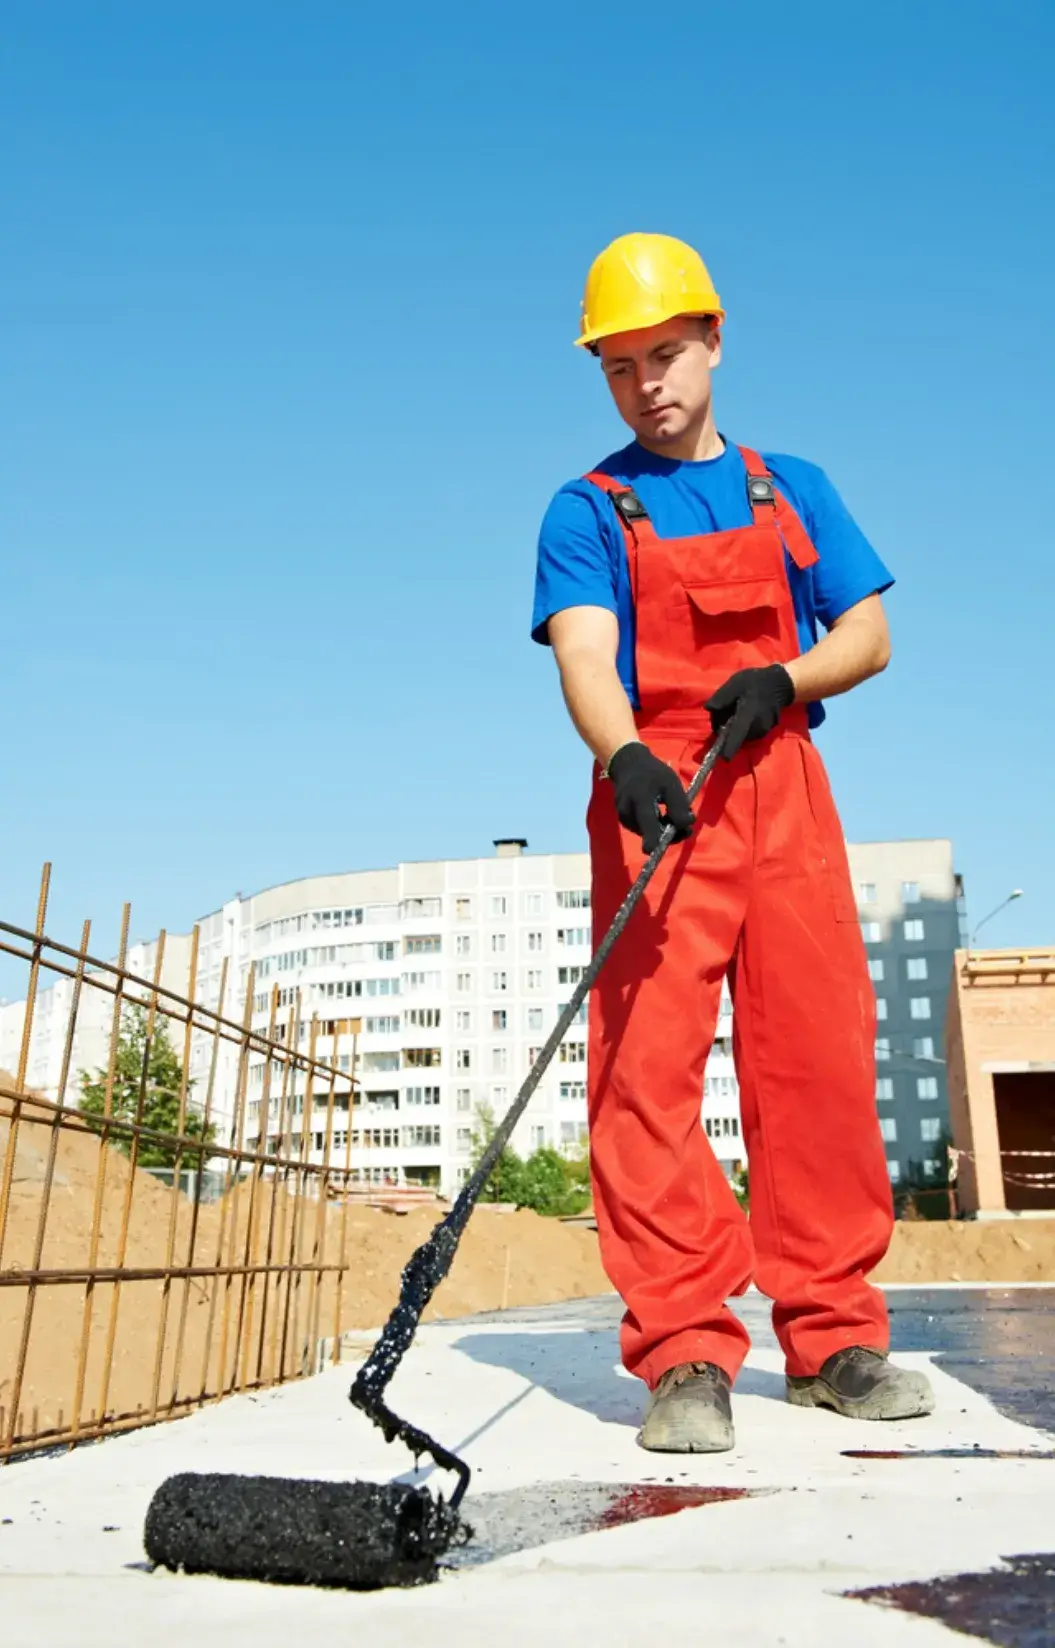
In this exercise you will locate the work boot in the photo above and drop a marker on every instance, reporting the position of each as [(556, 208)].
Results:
[(689, 1411), (861, 1384)]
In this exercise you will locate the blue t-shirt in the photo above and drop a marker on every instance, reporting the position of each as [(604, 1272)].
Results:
[(582, 551)]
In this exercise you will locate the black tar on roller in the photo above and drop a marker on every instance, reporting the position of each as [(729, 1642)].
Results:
[(360, 1535)]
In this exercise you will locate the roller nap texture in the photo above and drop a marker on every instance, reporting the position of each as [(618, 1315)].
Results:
[(361, 1535)]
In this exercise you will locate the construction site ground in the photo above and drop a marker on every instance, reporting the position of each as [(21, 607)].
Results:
[(804, 1535)]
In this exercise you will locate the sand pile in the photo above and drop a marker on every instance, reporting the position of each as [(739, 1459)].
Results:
[(950, 1250)]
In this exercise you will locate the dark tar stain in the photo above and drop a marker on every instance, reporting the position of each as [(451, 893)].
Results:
[(521, 1519), (1012, 1607), (948, 1453)]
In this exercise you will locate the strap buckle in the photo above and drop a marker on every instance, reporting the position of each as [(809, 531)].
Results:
[(629, 506), (760, 490)]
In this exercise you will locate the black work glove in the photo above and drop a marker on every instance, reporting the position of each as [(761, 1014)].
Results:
[(750, 702), (644, 783)]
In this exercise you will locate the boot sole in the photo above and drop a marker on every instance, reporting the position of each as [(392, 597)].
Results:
[(913, 1403)]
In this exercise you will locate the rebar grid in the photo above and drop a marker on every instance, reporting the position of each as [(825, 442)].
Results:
[(125, 1300)]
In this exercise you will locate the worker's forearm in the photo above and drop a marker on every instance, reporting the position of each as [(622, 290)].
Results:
[(597, 702), (849, 654)]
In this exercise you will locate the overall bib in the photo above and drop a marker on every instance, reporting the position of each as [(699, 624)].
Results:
[(761, 895)]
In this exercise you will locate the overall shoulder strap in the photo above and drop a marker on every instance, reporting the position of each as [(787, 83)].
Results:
[(628, 505), (768, 504)]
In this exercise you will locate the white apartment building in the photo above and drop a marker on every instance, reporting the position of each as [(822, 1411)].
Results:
[(448, 975)]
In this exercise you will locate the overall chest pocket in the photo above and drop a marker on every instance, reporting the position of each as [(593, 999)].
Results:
[(741, 614)]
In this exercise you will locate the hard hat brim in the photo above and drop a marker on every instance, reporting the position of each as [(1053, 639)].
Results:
[(592, 335)]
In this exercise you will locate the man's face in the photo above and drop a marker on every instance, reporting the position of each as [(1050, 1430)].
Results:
[(660, 378)]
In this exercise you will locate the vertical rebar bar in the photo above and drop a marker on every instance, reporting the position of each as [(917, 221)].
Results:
[(100, 1176), (7, 1440), (356, 1027), (290, 1076), (130, 1182), (177, 1166), (293, 1278), (241, 1091), (265, 1105), (318, 1252)]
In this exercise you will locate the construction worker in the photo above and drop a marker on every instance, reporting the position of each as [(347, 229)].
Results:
[(680, 585)]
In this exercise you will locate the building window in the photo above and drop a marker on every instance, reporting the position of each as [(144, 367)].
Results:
[(573, 1052), (499, 982), (919, 1007), (923, 1047), (894, 1170), (885, 1087), (913, 931), (463, 1098), (463, 1059), (872, 932), (866, 892), (420, 1135), (569, 975), (463, 1019), (534, 1018), (464, 983), (916, 967), (463, 944), (499, 904), (500, 1019), (425, 944), (930, 1129), (533, 904), (534, 941), (499, 1061), (571, 1091), (499, 1097), (380, 1061), (383, 1027), (533, 1053), (498, 944), (910, 892), (926, 1087), (421, 907), (464, 1138), (577, 898), (572, 937), (930, 1167), (534, 978), (875, 971), (421, 1058), (880, 1007), (463, 909), (423, 1018), (888, 1128), (882, 1047), (422, 1095), (538, 1137)]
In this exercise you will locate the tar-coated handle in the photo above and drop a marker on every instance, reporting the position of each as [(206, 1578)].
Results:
[(427, 1267)]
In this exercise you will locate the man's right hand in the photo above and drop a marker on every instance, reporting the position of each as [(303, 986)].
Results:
[(643, 784)]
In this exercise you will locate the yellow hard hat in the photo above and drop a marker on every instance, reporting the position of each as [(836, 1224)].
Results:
[(641, 280)]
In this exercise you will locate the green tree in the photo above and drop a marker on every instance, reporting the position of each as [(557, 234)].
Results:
[(555, 1184), (506, 1179), (146, 1064)]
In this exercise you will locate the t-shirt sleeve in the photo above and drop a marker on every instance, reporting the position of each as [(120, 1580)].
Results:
[(849, 570), (575, 565)]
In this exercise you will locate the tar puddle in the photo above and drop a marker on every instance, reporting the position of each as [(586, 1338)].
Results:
[(522, 1518), (1013, 1607), (948, 1453)]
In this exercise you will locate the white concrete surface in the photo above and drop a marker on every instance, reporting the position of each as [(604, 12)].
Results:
[(531, 1401)]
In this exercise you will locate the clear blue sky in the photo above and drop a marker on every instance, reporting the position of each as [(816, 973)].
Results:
[(288, 295)]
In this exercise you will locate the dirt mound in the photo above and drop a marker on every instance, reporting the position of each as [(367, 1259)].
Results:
[(951, 1250)]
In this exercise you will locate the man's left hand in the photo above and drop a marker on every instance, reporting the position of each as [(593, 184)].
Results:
[(750, 703)]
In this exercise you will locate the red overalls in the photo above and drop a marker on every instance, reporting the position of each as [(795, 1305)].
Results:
[(760, 894)]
